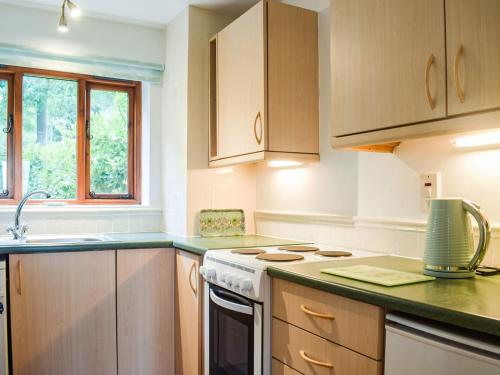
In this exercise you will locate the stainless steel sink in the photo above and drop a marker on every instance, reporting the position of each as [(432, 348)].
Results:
[(68, 240)]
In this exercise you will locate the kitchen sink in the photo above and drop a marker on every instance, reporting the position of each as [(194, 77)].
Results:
[(64, 240)]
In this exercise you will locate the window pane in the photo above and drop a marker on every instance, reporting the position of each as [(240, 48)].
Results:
[(49, 136), (4, 92), (109, 142)]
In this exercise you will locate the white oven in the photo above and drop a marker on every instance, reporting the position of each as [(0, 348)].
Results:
[(233, 333)]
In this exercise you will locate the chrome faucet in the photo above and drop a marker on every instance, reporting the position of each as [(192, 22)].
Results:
[(17, 230)]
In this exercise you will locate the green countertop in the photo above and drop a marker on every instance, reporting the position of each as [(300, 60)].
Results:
[(196, 245), (468, 303)]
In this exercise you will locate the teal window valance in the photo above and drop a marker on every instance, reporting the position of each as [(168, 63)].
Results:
[(98, 66)]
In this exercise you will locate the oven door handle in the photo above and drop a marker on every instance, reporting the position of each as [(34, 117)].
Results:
[(247, 310)]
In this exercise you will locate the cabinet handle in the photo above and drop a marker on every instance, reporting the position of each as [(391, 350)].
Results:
[(430, 99), (257, 137), (193, 287), (19, 277), (306, 358), (456, 75), (316, 314)]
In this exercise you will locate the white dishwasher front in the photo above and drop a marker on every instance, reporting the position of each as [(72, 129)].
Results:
[(416, 347), (4, 358)]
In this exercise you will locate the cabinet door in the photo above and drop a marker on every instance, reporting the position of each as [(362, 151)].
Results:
[(240, 59), (189, 315), (63, 313), (473, 49), (387, 63), (145, 291)]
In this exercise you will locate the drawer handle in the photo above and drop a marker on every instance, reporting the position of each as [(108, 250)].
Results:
[(456, 77), (430, 99), (316, 314), (306, 358)]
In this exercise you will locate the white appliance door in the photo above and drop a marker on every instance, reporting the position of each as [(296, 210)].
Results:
[(413, 352)]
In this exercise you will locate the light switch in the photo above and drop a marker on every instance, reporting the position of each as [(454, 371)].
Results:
[(430, 187)]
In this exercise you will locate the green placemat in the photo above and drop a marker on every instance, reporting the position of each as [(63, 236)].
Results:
[(377, 275)]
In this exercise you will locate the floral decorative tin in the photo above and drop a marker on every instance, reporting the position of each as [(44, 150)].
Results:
[(221, 223)]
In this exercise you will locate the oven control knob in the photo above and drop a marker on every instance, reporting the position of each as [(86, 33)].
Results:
[(229, 280), (246, 285), (207, 272), (236, 282), (224, 276)]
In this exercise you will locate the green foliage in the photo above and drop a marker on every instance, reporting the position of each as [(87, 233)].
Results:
[(50, 138), (109, 144)]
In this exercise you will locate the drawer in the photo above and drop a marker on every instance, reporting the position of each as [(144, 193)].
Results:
[(354, 324), (311, 354), (281, 369)]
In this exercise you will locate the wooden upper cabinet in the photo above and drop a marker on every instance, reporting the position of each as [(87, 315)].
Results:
[(387, 63), (241, 104), (145, 311), (265, 101), (189, 314), (63, 313), (473, 49)]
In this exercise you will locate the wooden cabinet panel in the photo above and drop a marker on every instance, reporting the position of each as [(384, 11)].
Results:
[(354, 324), (282, 369), (474, 70), (189, 314), (145, 314), (299, 349), (241, 104), (293, 110), (63, 313), (380, 51)]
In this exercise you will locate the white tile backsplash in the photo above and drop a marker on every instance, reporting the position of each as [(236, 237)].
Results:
[(89, 219), (398, 237)]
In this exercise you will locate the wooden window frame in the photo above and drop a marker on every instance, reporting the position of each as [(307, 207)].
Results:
[(14, 76)]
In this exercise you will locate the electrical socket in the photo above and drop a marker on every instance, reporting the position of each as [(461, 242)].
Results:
[(430, 187)]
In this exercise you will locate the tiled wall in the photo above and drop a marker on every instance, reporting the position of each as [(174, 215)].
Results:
[(77, 220), (399, 237)]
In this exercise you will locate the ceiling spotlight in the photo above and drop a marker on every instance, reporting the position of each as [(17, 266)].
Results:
[(63, 23), (74, 10)]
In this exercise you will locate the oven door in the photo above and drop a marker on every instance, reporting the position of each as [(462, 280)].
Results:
[(234, 342)]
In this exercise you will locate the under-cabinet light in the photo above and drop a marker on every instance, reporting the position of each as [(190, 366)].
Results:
[(224, 170), (478, 140), (283, 163)]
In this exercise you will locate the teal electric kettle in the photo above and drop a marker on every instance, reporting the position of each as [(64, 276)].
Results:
[(449, 248)]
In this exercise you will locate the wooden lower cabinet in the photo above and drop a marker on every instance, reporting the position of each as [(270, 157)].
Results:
[(63, 313), (311, 354), (94, 312), (282, 369), (145, 314), (189, 314)]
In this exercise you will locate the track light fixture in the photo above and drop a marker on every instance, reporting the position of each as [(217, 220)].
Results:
[(74, 12)]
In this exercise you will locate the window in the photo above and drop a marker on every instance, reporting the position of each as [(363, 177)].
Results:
[(76, 136)]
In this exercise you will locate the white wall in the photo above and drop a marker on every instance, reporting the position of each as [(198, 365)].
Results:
[(174, 124), (189, 185), (37, 29)]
